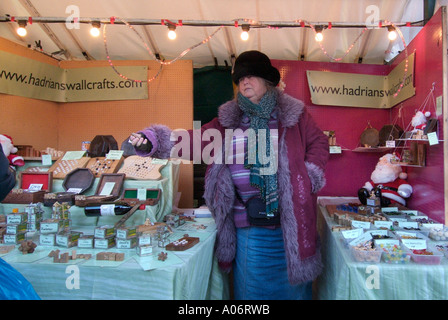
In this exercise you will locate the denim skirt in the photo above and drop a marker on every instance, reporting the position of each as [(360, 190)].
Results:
[(259, 269)]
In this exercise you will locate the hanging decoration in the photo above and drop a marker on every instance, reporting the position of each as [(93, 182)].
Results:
[(161, 62)]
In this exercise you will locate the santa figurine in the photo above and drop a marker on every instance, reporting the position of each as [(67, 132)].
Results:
[(419, 121), (10, 151), (388, 182)]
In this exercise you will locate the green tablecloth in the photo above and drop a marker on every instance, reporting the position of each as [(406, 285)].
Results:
[(345, 279), (168, 184), (190, 274)]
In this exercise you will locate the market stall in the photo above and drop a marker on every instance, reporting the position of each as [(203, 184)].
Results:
[(181, 274), (347, 278)]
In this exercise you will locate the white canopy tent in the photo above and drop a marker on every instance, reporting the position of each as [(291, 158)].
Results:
[(208, 31)]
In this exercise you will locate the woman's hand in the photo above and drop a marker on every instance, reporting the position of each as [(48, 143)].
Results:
[(139, 141)]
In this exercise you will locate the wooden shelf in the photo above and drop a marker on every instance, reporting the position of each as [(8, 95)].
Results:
[(374, 149)]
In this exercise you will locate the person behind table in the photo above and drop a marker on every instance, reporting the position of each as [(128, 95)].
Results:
[(13, 286), (275, 261)]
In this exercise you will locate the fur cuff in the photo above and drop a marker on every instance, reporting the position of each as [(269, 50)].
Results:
[(159, 136), (317, 176)]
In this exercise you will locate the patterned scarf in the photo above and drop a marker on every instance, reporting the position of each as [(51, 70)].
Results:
[(259, 115)]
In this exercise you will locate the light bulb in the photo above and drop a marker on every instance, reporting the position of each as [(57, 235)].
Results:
[(172, 34), (95, 30), (392, 35), (21, 31), (245, 33), (319, 36)]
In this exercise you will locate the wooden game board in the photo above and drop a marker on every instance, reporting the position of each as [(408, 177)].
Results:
[(100, 165), (141, 168), (62, 167)]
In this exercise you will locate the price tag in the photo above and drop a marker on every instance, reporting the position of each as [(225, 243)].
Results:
[(361, 224), (432, 138), (141, 194), (410, 212), (159, 161), (75, 190), (383, 224), (107, 189), (414, 244), (335, 149), (406, 234), (408, 224), (433, 225), (73, 155), (389, 209), (362, 239), (46, 160), (35, 187), (352, 234), (390, 143), (378, 232), (394, 219), (114, 154)]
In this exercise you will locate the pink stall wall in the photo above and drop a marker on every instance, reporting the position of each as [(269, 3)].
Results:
[(428, 182), (348, 171)]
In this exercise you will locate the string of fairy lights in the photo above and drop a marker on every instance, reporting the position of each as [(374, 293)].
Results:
[(245, 24)]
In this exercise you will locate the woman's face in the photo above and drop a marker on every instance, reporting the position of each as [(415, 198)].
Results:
[(252, 88)]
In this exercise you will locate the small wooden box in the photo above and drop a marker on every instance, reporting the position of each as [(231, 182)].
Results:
[(23, 195), (152, 197), (116, 178), (79, 178), (182, 244)]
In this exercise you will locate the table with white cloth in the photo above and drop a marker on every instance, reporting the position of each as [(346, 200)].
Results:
[(189, 274), (345, 279)]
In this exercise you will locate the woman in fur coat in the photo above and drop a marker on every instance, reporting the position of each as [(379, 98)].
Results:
[(266, 166)]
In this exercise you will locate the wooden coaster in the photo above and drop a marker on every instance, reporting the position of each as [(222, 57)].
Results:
[(142, 168)]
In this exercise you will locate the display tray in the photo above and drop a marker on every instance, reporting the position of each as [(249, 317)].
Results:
[(182, 244), (79, 178), (78, 181), (108, 189), (23, 194), (130, 196)]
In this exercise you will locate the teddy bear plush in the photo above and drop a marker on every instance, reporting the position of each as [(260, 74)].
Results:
[(10, 151), (388, 182)]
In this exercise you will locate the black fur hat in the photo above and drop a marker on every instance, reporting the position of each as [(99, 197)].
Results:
[(255, 63)]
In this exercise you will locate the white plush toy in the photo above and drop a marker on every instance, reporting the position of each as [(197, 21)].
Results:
[(9, 150), (390, 180)]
